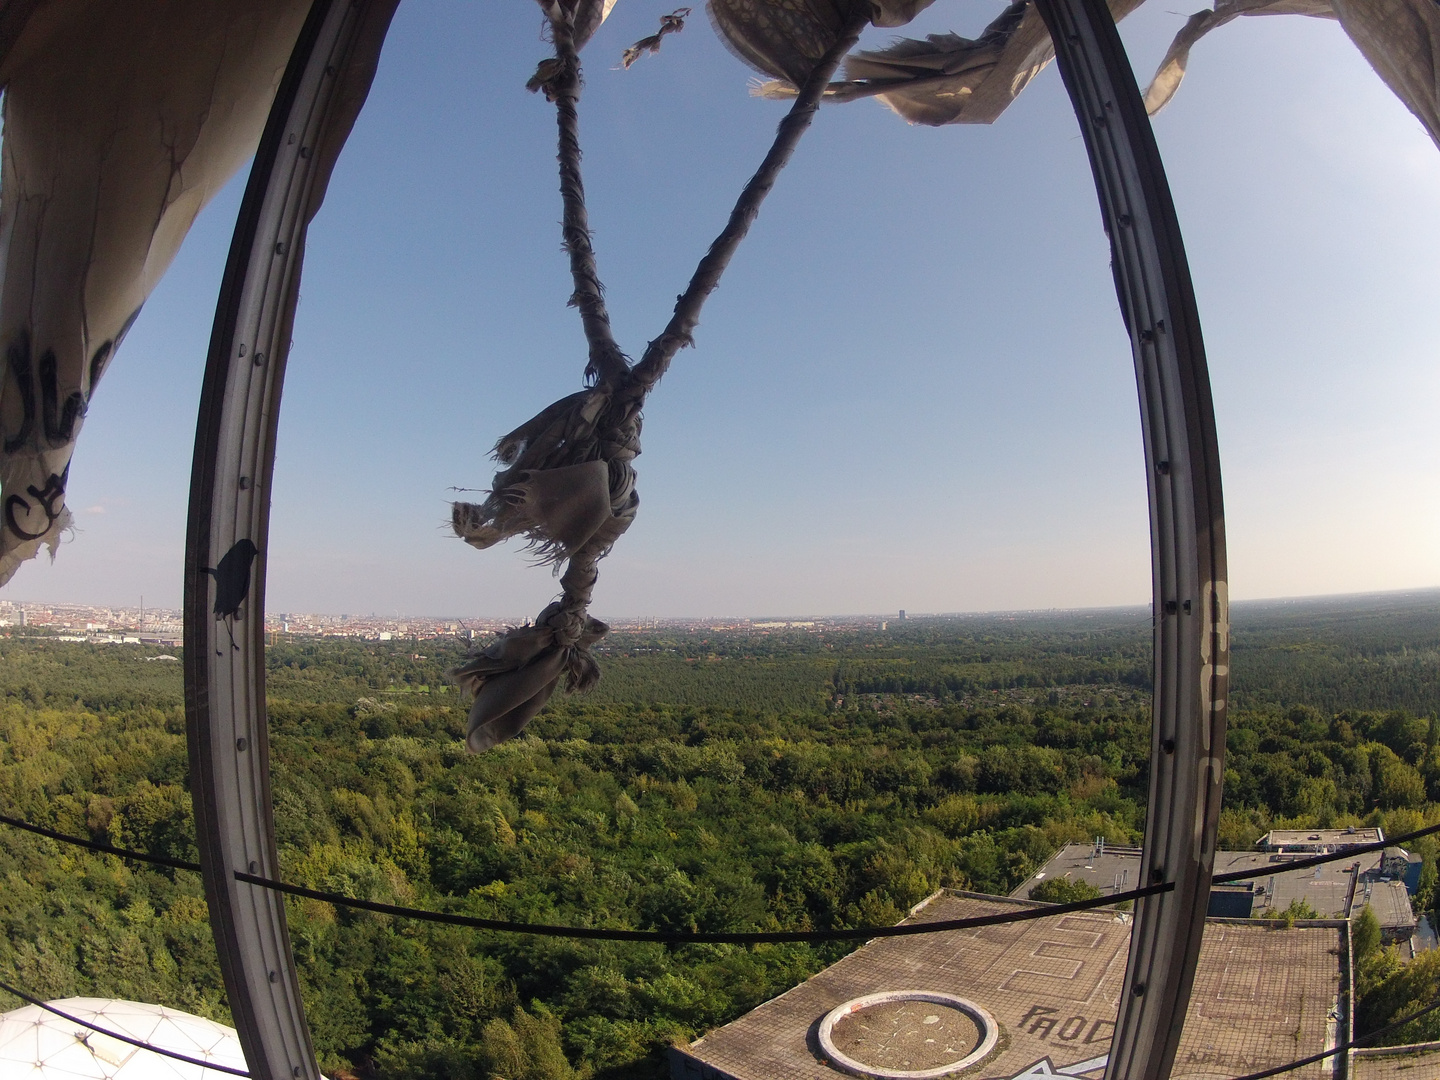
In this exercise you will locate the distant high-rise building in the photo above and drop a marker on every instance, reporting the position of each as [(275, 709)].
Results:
[(902, 613)]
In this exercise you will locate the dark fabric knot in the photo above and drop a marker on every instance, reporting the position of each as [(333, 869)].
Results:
[(513, 677)]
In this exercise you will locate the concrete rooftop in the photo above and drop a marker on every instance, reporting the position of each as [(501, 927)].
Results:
[(1263, 996), (1325, 888)]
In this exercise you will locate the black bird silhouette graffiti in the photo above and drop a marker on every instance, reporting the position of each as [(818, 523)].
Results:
[(232, 584)]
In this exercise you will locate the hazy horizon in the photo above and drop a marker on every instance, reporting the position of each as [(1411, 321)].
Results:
[(1338, 598)]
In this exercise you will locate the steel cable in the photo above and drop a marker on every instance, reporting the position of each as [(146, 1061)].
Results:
[(697, 937), (122, 1038), (1320, 860), (683, 937), (104, 849), (1343, 1047), (672, 937)]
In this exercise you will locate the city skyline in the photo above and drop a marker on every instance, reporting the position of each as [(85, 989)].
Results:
[(761, 620)]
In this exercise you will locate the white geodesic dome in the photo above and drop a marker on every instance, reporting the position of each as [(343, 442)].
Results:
[(38, 1045)]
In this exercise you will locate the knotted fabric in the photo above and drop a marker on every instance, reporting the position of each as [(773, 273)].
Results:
[(513, 677), (566, 481)]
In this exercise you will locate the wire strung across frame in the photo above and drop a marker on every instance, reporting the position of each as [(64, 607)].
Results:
[(1299, 1063), (142, 1044), (702, 937), (103, 849), (698, 937), (1320, 860), (763, 937), (608, 933), (1353, 1044)]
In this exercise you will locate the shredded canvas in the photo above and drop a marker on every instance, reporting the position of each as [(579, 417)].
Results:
[(1399, 38), (121, 121)]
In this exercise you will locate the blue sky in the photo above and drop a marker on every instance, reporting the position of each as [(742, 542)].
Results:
[(911, 390)]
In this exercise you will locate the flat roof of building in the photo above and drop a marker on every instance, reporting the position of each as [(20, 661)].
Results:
[(1318, 839), (1390, 902), (1263, 996), (1325, 888), (1109, 869)]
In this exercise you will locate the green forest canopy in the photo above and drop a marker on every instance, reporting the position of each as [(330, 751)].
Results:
[(789, 779)]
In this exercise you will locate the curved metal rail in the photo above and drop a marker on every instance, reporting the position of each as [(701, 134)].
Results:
[(1187, 534), (230, 495), (325, 83)]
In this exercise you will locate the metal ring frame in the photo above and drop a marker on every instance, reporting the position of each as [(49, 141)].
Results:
[(230, 498), (1190, 594), (318, 98)]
